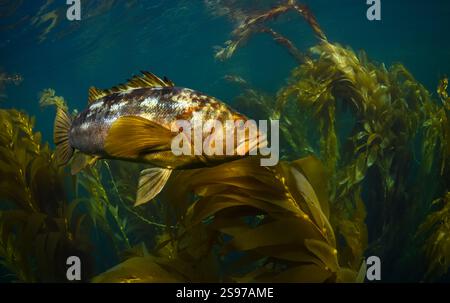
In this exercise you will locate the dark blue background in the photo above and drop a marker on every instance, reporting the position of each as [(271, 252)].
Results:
[(176, 39)]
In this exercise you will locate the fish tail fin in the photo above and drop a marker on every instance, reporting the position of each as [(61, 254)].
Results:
[(64, 151)]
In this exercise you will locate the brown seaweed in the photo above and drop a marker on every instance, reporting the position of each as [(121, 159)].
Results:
[(283, 222), (39, 228), (391, 110)]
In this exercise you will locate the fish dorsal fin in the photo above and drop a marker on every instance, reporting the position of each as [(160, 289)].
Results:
[(95, 94), (147, 79)]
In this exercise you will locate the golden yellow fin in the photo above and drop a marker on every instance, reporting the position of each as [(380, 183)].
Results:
[(131, 137), (145, 80), (151, 182), (61, 136)]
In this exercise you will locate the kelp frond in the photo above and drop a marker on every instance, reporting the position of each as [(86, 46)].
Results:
[(442, 92), (255, 24), (255, 206), (272, 217), (101, 210), (38, 227), (437, 246), (48, 98), (369, 119)]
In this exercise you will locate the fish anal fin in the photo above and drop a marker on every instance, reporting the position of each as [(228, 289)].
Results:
[(151, 182), (131, 137)]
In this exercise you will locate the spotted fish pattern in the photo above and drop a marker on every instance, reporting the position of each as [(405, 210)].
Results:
[(162, 105)]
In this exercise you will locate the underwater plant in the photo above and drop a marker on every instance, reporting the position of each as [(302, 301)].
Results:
[(39, 228), (245, 209), (48, 98), (254, 24), (357, 139), (389, 112), (437, 245)]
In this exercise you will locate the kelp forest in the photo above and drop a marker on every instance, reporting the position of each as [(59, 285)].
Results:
[(357, 140)]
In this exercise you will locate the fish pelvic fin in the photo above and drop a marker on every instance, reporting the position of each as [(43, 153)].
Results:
[(147, 79), (151, 182), (64, 151), (132, 137)]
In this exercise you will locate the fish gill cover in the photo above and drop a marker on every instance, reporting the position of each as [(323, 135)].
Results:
[(376, 185)]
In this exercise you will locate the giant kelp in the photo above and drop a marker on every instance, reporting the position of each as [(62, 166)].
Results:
[(39, 228), (243, 208), (47, 215), (436, 228), (391, 115), (340, 193)]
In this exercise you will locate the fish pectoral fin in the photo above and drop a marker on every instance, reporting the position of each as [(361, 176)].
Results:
[(151, 182), (131, 137), (81, 161)]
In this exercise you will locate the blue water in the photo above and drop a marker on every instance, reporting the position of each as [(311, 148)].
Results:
[(176, 39)]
